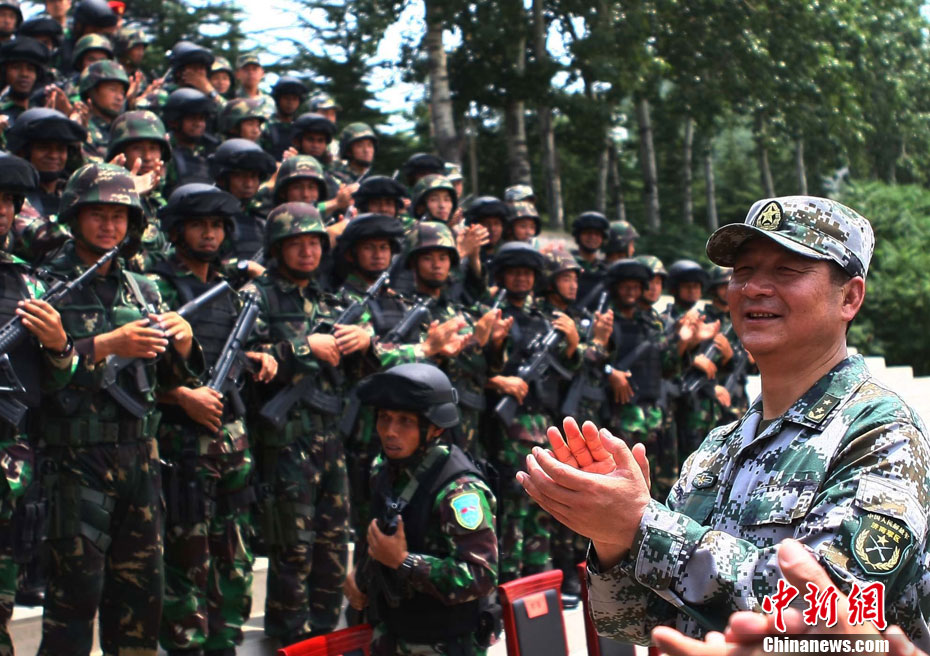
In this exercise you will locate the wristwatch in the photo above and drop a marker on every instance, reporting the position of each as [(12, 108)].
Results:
[(69, 346), (406, 568), (608, 370)]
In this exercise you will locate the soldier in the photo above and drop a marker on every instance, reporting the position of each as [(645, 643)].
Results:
[(190, 68), (621, 243), (653, 289), (453, 172), (300, 463), (288, 93), (104, 536), (249, 74), (222, 78), (591, 231), (419, 165), (311, 134), (208, 558), (89, 49), (358, 146), (300, 179), (129, 48), (379, 194), (493, 214), (522, 222), (242, 118), (239, 166), (432, 551), (47, 355), (11, 18), (187, 113), (434, 199), (103, 86), (45, 30), (824, 437), (326, 106), (23, 64), (90, 17)]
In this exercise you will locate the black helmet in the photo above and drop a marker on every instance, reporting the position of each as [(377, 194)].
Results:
[(96, 13), (26, 49), (184, 53), (591, 221), (14, 5), (371, 226), (288, 84), (379, 186), (485, 206), (241, 155), (42, 25), (17, 177), (311, 122), (184, 102), (415, 387), (518, 254), (195, 200), (43, 124), (686, 271), (425, 163), (628, 269), (719, 275)]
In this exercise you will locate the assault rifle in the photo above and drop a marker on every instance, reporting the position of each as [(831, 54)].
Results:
[(228, 368), (694, 378), (576, 390), (411, 319), (13, 333), (539, 361)]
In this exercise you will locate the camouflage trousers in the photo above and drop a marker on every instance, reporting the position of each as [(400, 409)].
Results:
[(695, 418), (105, 549), (385, 644), (208, 565), (360, 451), (305, 524), (8, 581), (645, 423)]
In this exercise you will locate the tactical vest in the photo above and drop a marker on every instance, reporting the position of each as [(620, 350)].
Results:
[(647, 369), (279, 135), (248, 235), (525, 328), (190, 167), (386, 312), (423, 618), (25, 359)]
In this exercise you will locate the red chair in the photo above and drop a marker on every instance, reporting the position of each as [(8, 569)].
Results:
[(598, 645), (353, 641), (532, 609)]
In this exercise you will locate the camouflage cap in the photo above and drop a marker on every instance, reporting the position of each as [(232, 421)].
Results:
[(299, 167), (519, 192), (138, 125), (291, 219), (323, 101), (453, 171), (221, 65), (427, 236), (106, 70), (428, 184), (237, 110), (246, 59), (818, 228), (655, 265), (90, 42), (101, 183)]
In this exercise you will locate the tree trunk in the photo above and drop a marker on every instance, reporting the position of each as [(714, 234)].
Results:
[(518, 154), (687, 200), (547, 129), (799, 165), (603, 164), (472, 153), (442, 121), (619, 199), (709, 187), (765, 171), (647, 160)]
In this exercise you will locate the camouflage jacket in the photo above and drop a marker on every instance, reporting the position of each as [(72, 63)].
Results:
[(843, 470), (98, 138), (268, 107), (339, 169), (155, 100)]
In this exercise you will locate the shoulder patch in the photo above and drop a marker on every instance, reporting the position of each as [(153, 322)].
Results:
[(880, 544), (467, 510)]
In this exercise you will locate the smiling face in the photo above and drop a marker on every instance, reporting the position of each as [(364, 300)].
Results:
[(103, 225)]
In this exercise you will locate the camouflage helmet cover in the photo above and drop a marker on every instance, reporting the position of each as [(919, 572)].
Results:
[(323, 101), (128, 37), (427, 236), (428, 184), (622, 233), (355, 132), (291, 219), (299, 167), (718, 275), (655, 265), (106, 70), (139, 125), (558, 262), (523, 209), (237, 110), (90, 42), (221, 65), (108, 184), (518, 192)]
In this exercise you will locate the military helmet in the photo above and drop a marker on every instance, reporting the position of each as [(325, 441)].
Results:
[(138, 125), (222, 65), (622, 233), (355, 132), (311, 122), (519, 192), (591, 221), (96, 13), (428, 184), (237, 110), (323, 101), (379, 186), (425, 163), (558, 262), (718, 275), (453, 171), (14, 5), (42, 25), (109, 184), (26, 49), (299, 167), (371, 226), (523, 209), (628, 269), (655, 265), (415, 387), (241, 155), (427, 236), (290, 219), (17, 177), (518, 254), (485, 206), (43, 124), (686, 271), (106, 70), (197, 200), (288, 84), (128, 37), (184, 53), (90, 42), (185, 102)]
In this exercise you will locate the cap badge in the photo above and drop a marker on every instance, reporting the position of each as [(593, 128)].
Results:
[(769, 217)]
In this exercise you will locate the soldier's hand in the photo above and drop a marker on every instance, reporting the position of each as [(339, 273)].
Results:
[(56, 98), (43, 321), (723, 396), (324, 348), (80, 113), (457, 217), (566, 325), (4, 122), (603, 327), (350, 339), (138, 339), (500, 331), (723, 345), (389, 550), (706, 365), (705, 331), (197, 78), (254, 269), (135, 82), (146, 182), (357, 599), (485, 325), (267, 366), (344, 195), (620, 385), (511, 386), (290, 152), (471, 240), (442, 339), (175, 328), (203, 405)]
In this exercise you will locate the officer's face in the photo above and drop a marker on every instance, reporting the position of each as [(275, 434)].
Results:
[(567, 284), (689, 292), (204, 234), (7, 212), (628, 292), (313, 143), (786, 305), (439, 204), (250, 128), (399, 431), (518, 279), (109, 96), (103, 225), (591, 239), (495, 228), (523, 229), (48, 156), (653, 290), (21, 76), (90, 57), (434, 265), (363, 151), (57, 8), (147, 150), (193, 126), (7, 20), (302, 252), (302, 191), (243, 184), (384, 205), (373, 254), (288, 103), (221, 81)]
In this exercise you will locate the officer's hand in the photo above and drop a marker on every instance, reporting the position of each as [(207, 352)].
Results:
[(357, 599), (177, 329), (267, 366), (706, 365), (203, 405), (43, 321), (566, 325), (443, 340), (138, 339), (511, 386), (582, 449), (389, 550), (620, 384), (344, 195), (603, 327), (350, 339), (723, 396), (723, 345), (324, 348), (485, 325)]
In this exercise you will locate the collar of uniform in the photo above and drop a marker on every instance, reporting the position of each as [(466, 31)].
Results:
[(68, 260), (286, 285), (356, 283), (183, 271), (100, 122), (819, 403)]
